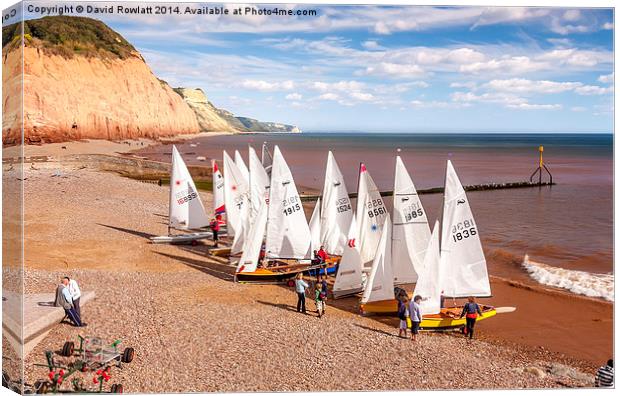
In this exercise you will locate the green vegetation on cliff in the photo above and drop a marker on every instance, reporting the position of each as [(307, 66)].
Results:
[(68, 36)]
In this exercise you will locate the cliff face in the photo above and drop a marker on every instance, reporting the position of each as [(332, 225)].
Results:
[(261, 126), (83, 80), (212, 118), (207, 115), (77, 98)]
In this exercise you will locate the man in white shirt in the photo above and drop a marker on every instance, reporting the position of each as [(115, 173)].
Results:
[(74, 289)]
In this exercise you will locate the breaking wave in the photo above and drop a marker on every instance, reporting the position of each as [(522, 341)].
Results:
[(578, 282)]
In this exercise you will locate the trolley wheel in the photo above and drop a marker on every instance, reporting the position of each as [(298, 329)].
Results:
[(290, 283), (127, 355), (68, 348), (116, 388), (194, 242)]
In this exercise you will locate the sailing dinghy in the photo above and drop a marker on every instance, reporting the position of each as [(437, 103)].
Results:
[(349, 279), (460, 265), (288, 237), (236, 198), (410, 233), (371, 214), (218, 190), (336, 210), (186, 211)]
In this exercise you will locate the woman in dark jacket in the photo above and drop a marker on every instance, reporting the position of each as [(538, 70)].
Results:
[(471, 310)]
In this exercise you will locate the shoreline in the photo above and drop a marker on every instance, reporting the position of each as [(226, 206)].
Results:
[(537, 306)]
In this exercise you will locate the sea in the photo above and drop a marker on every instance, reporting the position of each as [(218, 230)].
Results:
[(566, 230)]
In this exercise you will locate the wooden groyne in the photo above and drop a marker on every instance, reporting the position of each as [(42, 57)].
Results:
[(439, 190)]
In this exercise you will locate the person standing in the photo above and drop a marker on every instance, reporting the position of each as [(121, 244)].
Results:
[(324, 292), (471, 310), (76, 293), (416, 316), (215, 229), (403, 314), (64, 300), (322, 254), (605, 376), (300, 288), (318, 299)]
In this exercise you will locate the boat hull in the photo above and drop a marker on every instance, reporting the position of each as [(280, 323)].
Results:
[(273, 275), (447, 318)]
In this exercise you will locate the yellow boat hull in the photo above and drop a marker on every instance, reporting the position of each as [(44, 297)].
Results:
[(447, 318)]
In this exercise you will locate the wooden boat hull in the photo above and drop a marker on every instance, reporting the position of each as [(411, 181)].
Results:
[(447, 318), (273, 274)]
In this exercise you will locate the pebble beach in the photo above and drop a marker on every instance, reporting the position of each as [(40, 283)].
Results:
[(194, 330)]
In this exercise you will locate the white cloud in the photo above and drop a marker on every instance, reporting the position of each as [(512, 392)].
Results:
[(365, 97), (578, 109), (608, 26), (572, 15), (607, 79), (594, 90), (261, 85), (388, 69), (468, 84), (506, 65), (418, 104), (329, 96), (372, 45), (529, 106), (343, 86), (508, 100), (293, 96), (523, 86)]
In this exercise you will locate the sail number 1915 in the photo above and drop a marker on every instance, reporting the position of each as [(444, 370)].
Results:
[(291, 205)]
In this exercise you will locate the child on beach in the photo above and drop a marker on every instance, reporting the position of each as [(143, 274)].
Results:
[(318, 299), (324, 292), (403, 314)]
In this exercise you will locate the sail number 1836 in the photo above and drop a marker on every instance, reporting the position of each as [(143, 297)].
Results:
[(463, 230)]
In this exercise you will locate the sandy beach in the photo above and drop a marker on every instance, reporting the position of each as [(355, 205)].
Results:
[(196, 330)]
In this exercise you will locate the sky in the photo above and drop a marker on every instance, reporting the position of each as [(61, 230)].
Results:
[(391, 68)]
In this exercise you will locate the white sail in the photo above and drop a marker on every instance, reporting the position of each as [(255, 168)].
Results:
[(288, 234), (349, 275), (266, 158), (428, 285), (336, 211), (315, 227), (241, 165), (463, 265), (218, 190), (410, 234), (371, 215), (185, 207), (380, 285), (235, 196), (254, 241), (259, 184)]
